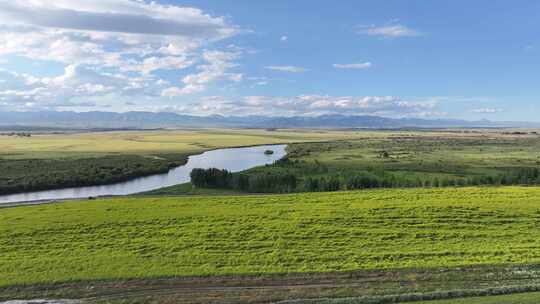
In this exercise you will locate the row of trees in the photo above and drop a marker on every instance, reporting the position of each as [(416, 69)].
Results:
[(367, 180), (283, 182), (271, 182), (211, 178)]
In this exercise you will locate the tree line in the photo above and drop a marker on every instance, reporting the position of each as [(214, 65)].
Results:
[(368, 180), (285, 182), (271, 182)]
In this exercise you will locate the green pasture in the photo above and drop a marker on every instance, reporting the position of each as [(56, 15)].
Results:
[(318, 232), (523, 298)]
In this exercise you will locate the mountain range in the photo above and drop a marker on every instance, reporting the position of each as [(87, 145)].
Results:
[(150, 120)]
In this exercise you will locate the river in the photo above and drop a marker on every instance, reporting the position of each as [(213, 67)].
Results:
[(232, 159)]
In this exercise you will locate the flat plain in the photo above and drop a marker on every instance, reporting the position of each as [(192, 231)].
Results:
[(158, 141), (253, 247)]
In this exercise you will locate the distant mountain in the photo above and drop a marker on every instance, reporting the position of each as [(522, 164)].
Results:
[(147, 120)]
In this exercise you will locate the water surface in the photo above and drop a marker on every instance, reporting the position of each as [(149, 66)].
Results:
[(232, 159)]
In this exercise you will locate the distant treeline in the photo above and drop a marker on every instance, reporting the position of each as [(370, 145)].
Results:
[(367, 180), (19, 134), (320, 179)]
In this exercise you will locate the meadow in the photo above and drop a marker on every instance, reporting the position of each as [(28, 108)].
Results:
[(63, 145), (397, 160), (57, 160), (314, 232), (428, 153), (528, 298), (397, 241), (444, 157)]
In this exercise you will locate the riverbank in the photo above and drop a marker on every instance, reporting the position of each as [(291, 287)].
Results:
[(32, 175)]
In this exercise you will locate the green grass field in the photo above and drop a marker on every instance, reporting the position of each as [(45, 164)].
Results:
[(427, 153), (416, 159), (319, 232), (91, 144), (525, 298), (46, 161), (216, 232)]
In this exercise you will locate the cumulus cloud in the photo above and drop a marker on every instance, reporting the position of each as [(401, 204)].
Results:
[(124, 42), (23, 91), (486, 111), (357, 66), (216, 67), (151, 64), (313, 105), (389, 31), (286, 68), (283, 38)]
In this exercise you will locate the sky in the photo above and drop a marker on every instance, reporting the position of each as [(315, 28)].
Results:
[(427, 59)]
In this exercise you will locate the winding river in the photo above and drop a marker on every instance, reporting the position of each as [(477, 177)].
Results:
[(232, 159)]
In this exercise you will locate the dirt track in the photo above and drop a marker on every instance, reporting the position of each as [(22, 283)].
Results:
[(280, 288)]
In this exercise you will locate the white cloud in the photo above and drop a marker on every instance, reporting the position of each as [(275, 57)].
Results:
[(216, 67), (76, 83), (286, 68), (111, 40), (175, 91), (389, 31), (116, 16), (312, 105), (486, 111), (151, 64), (358, 66), (283, 38)]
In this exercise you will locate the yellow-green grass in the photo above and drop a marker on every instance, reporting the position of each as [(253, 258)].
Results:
[(190, 141), (427, 153), (162, 141), (523, 298), (317, 232)]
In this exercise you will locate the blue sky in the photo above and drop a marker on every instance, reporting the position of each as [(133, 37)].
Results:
[(430, 59)]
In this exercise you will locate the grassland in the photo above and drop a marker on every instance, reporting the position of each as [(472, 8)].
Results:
[(151, 142), (411, 160), (155, 237), (421, 154), (527, 298), (188, 189), (393, 240), (46, 161)]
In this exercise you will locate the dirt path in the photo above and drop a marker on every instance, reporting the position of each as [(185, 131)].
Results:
[(289, 287)]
